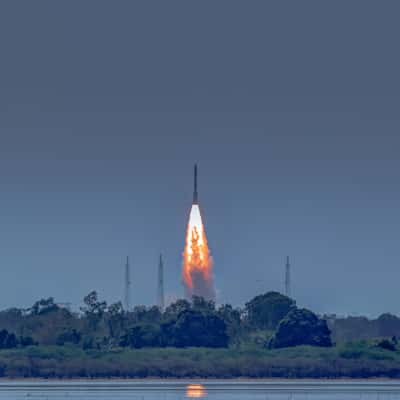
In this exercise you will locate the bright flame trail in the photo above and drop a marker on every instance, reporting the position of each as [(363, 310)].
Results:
[(197, 262)]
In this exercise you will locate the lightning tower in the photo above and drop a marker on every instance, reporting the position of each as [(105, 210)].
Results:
[(287, 278), (127, 285), (160, 291)]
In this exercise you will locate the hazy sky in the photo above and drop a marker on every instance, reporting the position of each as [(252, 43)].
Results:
[(291, 110)]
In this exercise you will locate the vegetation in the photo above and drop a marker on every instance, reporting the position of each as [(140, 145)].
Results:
[(354, 360), (358, 328), (267, 310), (301, 327), (270, 337)]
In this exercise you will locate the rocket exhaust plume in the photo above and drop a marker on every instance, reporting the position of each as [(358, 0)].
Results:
[(197, 262)]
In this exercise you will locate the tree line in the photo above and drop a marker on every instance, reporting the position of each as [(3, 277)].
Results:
[(271, 320)]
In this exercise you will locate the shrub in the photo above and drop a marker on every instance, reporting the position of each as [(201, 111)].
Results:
[(301, 327), (386, 345)]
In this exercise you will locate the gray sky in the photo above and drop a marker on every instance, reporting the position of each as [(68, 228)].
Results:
[(291, 110)]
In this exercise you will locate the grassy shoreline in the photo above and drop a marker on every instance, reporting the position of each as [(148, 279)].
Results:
[(351, 361), (196, 380)]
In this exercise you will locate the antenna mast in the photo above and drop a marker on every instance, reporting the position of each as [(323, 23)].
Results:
[(160, 291), (127, 285), (287, 278)]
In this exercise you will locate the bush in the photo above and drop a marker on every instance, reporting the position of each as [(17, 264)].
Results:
[(7, 340), (386, 345), (25, 341), (196, 329), (267, 310), (301, 327), (70, 336), (142, 335)]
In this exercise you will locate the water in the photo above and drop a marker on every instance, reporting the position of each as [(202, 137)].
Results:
[(213, 390)]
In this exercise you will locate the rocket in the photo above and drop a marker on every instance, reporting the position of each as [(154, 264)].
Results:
[(195, 195)]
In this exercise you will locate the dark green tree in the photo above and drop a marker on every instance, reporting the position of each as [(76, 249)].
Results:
[(387, 344), (7, 340), (267, 310), (142, 335), (115, 320), (301, 327), (197, 329), (153, 315), (201, 304), (388, 325), (43, 306), (232, 319), (25, 341), (138, 314), (69, 336), (143, 314), (93, 310), (174, 309)]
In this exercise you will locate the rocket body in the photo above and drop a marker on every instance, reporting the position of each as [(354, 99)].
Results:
[(197, 271), (195, 194)]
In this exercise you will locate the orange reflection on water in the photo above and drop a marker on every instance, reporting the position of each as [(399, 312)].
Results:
[(195, 391)]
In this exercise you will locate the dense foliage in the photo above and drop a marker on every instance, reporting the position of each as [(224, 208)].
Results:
[(192, 339), (354, 360), (10, 341), (198, 323), (267, 310), (299, 327), (99, 326)]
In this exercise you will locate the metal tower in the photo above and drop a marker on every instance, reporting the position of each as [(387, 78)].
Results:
[(127, 285), (287, 278), (160, 290)]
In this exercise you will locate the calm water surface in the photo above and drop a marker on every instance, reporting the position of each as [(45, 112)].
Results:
[(214, 390)]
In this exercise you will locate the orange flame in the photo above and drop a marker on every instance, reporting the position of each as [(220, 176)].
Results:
[(197, 261)]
